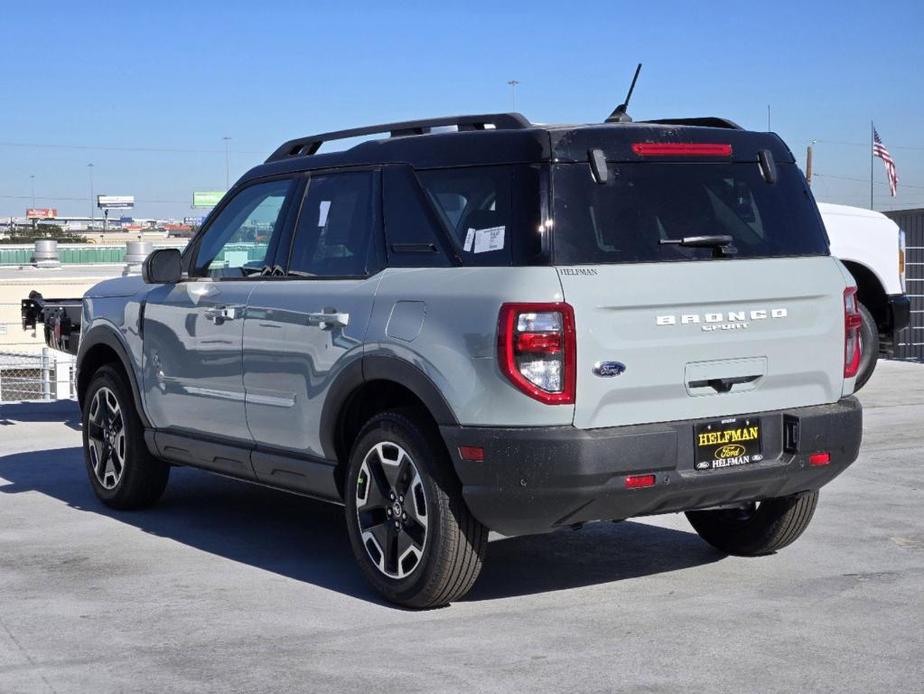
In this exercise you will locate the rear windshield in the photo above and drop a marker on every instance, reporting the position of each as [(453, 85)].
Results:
[(642, 204)]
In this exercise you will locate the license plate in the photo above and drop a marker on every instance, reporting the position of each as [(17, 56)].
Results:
[(727, 443)]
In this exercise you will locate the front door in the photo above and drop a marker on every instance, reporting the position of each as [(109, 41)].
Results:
[(193, 331), (303, 331)]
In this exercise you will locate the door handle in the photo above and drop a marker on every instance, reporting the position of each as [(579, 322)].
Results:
[(329, 319), (220, 314)]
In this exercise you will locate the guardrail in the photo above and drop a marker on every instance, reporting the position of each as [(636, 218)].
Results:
[(46, 375)]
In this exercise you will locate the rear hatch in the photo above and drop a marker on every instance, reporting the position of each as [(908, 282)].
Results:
[(668, 332)]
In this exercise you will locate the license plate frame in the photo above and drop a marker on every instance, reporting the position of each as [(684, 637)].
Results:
[(727, 443)]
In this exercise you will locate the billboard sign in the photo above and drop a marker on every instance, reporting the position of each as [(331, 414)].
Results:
[(207, 198), (41, 213), (118, 202)]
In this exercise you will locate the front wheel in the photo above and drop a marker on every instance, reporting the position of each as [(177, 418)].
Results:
[(411, 532), (756, 528), (122, 471)]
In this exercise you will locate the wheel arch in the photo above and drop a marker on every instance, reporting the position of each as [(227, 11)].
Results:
[(101, 346), (383, 383)]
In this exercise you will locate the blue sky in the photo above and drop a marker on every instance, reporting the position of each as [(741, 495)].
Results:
[(118, 83)]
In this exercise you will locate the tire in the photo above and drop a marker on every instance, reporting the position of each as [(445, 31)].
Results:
[(433, 553), (123, 473), (869, 339), (757, 529)]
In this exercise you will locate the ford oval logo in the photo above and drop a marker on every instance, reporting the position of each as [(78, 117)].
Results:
[(608, 369)]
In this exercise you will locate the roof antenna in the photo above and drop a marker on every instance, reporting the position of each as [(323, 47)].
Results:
[(620, 115)]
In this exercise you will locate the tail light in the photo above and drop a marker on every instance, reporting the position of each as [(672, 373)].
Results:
[(901, 258), (536, 350), (853, 349)]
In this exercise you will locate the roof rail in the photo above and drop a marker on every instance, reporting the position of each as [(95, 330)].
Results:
[(306, 146), (703, 121)]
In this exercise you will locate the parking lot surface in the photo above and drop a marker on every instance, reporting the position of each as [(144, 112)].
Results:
[(230, 587)]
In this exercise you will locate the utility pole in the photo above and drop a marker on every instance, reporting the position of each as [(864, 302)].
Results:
[(513, 92), (92, 208), (808, 163), (32, 182), (227, 140)]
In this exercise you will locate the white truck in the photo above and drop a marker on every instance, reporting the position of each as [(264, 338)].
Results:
[(872, 247)]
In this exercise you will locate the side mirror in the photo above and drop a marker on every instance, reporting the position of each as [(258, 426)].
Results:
[(162, 266)]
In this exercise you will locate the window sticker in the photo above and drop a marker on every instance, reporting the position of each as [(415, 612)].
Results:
[(469, 241), (487, 240), (323, 211)]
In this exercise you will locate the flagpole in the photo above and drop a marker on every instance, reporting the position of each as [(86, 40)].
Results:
[(871, 128)]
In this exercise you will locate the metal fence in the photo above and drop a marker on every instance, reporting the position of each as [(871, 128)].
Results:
[(45, 375), (911, 340)]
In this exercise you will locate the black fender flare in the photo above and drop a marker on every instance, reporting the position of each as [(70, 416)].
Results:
[(379, 368), (105, 335)]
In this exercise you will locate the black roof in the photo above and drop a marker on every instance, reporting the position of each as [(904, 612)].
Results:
[(504, 138)]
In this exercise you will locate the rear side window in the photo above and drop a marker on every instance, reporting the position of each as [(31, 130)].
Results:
[(491, 213), (643, 204), (337, 227)]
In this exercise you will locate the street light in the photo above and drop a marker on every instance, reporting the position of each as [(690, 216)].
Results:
[(227, 140), (32, 182), (92, 210), (513, 91)]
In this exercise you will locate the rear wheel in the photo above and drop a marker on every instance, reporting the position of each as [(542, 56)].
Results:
[(122, 471), (869, 339), (756, 528), (410, 529)]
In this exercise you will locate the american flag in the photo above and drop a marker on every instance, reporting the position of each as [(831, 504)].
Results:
[(879, 150)]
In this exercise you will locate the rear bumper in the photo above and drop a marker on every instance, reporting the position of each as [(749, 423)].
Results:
[(898, 317), (537, 479)]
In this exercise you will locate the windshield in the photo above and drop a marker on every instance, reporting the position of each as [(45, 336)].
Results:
[(626, 219)]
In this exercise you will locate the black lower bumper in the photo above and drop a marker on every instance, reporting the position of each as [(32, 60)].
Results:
[(898, 317), (535, 479)]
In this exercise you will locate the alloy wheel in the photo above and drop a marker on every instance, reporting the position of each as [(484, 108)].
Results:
[(106, 434), (392, 510)]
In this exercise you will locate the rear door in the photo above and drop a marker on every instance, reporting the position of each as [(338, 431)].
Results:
[(304, 330), (669, 332)]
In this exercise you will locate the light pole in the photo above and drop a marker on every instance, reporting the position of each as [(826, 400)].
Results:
[(92, 210), (32, 183), (227, 140), (513, 92)]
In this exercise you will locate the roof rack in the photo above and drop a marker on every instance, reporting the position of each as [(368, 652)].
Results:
[(703, 121), (306, 146)]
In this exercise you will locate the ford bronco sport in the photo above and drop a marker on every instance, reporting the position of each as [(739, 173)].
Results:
[(477, 323)]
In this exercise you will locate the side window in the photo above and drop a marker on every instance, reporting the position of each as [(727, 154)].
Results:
[(492, 212), (413, 231), (237, 241), (337, 227)]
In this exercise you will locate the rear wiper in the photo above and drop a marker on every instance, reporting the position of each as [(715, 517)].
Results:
[(721, 244)]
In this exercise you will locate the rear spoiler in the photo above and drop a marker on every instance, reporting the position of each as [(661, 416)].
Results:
[(60, 317)]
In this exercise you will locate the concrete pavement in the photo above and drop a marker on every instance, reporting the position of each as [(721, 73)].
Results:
[(228, 587)]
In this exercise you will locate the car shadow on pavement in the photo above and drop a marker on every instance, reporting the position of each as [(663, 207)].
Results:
[(306, 540), (65, 411)]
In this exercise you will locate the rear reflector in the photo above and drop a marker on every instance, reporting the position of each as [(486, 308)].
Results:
[(820, 458), (639, 481), (681, 149), (473, 454)]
